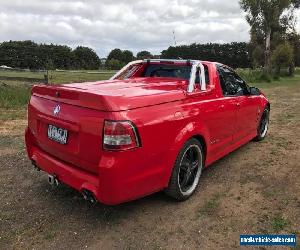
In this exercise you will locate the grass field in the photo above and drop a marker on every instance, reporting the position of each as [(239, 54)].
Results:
[(56, 76), (256, 189), (15, 86)]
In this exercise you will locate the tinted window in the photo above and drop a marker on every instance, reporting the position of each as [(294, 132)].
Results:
[(173, 71), (231, 83)]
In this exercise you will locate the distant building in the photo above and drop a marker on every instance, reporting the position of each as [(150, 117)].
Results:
[(5, 67)]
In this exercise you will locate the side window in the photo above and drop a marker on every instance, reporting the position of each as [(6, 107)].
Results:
[(231, 83), (242, 84)]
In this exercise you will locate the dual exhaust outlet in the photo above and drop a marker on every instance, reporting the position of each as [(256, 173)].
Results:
[(87, 195), (54, 182)]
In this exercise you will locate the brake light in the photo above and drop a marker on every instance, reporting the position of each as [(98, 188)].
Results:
[(120, 135)]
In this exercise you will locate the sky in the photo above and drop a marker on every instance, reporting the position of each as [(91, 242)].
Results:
[(127, 24)]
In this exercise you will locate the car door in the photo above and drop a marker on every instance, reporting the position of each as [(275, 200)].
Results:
[(246, 105), (247, 111), (220, 115)]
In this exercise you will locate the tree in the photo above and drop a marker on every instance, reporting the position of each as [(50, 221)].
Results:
[(86, 58), (296, 3), (258, 56), (266, 17), (114, 64), (123, 57), (294, 41), (115, 54), (283, 56), (127, 56), (143, 55)]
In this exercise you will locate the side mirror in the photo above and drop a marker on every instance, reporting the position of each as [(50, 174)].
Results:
[(254, 91)]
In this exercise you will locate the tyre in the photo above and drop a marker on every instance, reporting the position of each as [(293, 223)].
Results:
[(187, 171), (263, 125)]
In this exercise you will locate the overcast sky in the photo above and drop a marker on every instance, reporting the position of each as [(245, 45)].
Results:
[(127, 24)]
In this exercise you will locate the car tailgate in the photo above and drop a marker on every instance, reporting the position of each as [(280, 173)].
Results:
[(84, 126)]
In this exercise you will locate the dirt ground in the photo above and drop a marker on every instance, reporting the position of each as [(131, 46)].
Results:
[(256, 189)]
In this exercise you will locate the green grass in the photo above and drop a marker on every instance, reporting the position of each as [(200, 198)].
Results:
[(279, 223), (23, 74), (256, 76), (57, 76), (279, 82), (13, 96)]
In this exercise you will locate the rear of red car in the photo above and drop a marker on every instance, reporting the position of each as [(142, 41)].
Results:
[(76, 135), (68, 140)]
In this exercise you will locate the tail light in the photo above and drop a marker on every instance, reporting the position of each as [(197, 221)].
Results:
[(120, 135)]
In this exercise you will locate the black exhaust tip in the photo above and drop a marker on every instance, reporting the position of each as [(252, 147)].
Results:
[(89, 196)]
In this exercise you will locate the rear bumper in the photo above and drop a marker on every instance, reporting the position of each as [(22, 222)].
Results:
[(120, 179), (66, 173)]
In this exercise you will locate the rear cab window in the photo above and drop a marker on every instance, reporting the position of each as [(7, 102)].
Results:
[(163, 70)]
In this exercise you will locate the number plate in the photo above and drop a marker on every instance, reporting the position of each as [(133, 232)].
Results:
[(59, 135)]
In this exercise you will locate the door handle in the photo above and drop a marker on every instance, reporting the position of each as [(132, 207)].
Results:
[(222, 106), (238, 104)]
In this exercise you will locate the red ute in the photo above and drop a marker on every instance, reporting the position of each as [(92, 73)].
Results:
[(153, 126)]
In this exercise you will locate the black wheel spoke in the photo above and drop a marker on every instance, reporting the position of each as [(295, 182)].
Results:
[(189, 168), (186, 178), (191, 156), (194, 165), (185, 165)]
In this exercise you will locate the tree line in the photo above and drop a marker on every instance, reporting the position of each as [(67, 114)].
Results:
[(282, 49), (235, 54), (28, 54)]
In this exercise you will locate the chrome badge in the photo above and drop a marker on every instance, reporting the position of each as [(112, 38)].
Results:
[(56, 110)]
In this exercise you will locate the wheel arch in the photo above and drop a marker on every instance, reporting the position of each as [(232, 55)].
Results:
[(196, 130), (203, 143)]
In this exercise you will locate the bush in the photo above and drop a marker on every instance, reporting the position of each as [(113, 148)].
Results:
[(257, 75), (250, 75)]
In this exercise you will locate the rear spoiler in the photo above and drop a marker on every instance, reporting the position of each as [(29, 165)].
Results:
[(196, 65)]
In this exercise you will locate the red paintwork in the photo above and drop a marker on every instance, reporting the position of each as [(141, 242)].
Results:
[(165, 115)]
